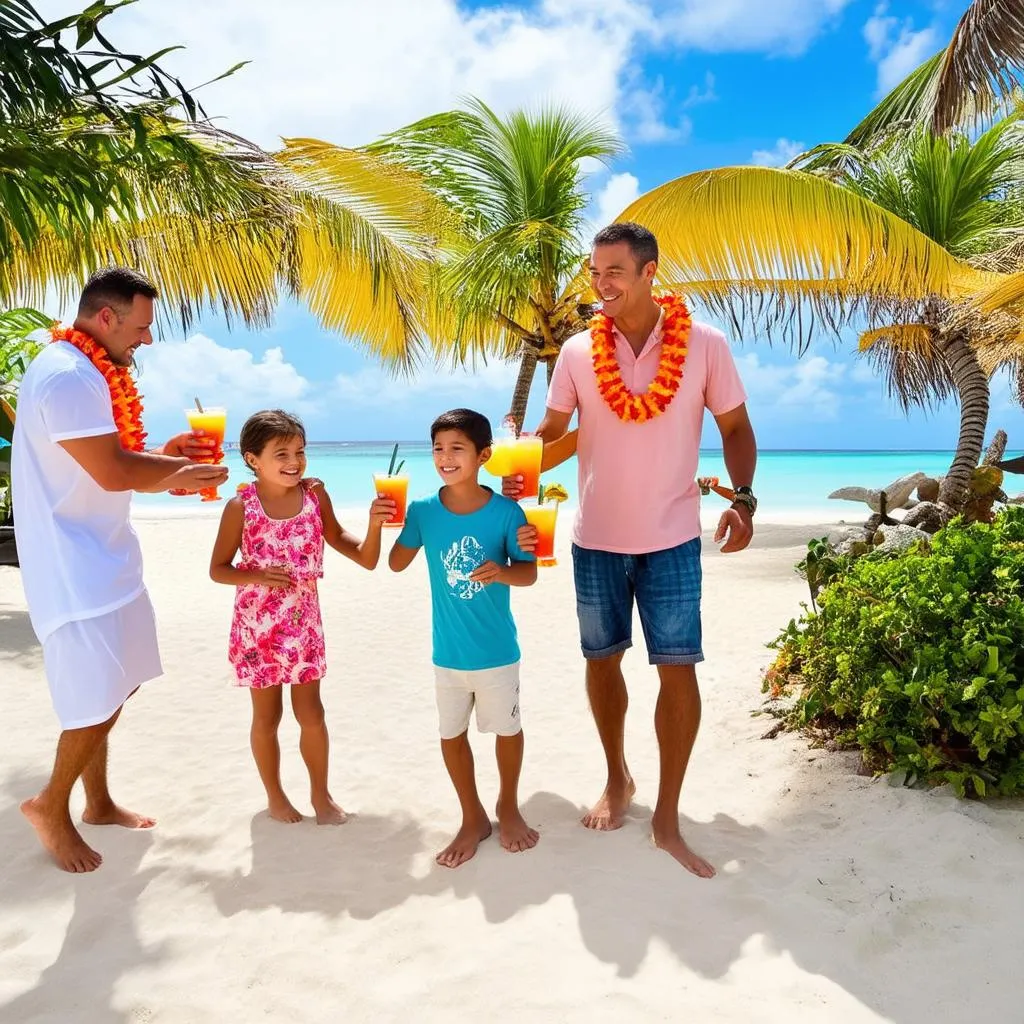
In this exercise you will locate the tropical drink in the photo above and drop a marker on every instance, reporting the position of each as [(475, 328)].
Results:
[(212, 421), (518, 456), (543, 518), (394, 484), (395, 487)]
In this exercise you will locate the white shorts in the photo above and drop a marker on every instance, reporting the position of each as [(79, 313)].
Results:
[(93, 665), (494, 691)]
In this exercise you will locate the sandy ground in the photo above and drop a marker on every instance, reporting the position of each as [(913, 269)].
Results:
[(839, 898)]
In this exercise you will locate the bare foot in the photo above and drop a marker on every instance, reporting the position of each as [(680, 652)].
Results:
[(669, 840), (609, 812), (282, 809), (329, 813), (514, 833), (463, 846), (61, 839), (114, 815)]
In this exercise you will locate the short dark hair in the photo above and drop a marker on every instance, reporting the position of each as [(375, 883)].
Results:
[(115, 287), (642, 243), (268, 425), (474, 425)]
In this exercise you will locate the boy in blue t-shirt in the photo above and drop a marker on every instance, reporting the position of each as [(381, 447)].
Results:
[(471, 537)]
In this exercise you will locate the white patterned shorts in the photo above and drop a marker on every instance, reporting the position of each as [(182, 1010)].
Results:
[(494, 692)]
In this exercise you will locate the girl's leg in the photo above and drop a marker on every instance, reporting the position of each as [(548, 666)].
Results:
[(314, 744), (266, 717)]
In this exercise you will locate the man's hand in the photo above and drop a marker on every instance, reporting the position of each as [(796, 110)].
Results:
[(526, 538), (192, 445), (512, 487), (195, 476), (736, 528), (489, 572), (275, 576)]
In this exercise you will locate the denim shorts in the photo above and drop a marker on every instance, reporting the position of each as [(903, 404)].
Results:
[(666, 587)]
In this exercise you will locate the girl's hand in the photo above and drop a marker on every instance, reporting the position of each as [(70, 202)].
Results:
[(381, 511), (489, 572), (526, 538), (275, 576)]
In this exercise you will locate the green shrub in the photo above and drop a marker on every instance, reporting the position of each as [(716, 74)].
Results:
[(918, 659)]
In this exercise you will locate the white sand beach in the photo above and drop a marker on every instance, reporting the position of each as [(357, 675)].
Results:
[(839, 897)]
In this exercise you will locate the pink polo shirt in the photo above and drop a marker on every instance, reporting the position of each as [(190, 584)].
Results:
[(637, 481)]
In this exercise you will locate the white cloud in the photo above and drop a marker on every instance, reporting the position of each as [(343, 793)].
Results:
[(618, 192), (644, 109), (779, 155), (173, 372), (896, 47), (698, 96), (805, 388), (348, 71), (375, 387), (775, 26)]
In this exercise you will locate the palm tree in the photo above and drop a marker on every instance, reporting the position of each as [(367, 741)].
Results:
[(885, 246), (510, 281), (104, 157), (972, 79)]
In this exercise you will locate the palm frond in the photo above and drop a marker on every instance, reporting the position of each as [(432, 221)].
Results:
[(903, 355), (981, 67), (738, 233)]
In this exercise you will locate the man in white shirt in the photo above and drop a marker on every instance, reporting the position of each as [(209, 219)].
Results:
[(80, 558)]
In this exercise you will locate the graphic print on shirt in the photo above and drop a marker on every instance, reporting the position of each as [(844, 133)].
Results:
[(460, 561)]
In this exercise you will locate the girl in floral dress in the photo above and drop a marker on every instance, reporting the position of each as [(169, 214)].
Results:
[(280, 523)]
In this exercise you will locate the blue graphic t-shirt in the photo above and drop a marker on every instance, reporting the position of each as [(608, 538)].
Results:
[(473, 625)]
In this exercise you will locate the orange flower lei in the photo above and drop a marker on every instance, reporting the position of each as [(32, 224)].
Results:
[(124, 398), (656, 399)]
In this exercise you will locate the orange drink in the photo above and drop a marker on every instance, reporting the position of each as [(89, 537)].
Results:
[(518, 456), (212, 421), (395, 487), (543, 518)]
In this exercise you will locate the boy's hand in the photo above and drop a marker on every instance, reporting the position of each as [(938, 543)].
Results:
[(489, 572), (526, 538), (381, 511), (275, 576), (512, 486)]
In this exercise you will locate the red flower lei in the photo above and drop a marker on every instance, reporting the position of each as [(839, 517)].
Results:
[(124, 398), (675, 335)]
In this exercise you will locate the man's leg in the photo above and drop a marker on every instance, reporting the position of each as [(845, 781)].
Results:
[(606, 689), (604, 607), (100, 808), (48, 812), (676, 721), (668, 588)]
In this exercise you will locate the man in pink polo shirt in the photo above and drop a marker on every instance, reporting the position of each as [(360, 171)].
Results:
[(637, 532)]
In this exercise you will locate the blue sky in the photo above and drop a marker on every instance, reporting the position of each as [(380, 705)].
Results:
[(697, 85)]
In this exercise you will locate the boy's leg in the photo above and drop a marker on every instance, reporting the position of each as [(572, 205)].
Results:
[(497, 711), (513, 831), (48, 812), (266, 717), (454, 705), (314, 745)]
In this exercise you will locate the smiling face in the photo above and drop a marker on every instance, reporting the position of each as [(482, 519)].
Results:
[(122, 329), (456, 458), (282, 461), (623, 285)]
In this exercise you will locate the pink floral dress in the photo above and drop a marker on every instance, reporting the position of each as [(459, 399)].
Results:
[(277, 636)]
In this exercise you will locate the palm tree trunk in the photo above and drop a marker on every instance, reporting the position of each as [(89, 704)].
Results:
[(973, 391), (550, 365), (521, 394)]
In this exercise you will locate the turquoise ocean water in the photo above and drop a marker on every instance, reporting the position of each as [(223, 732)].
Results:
[(788, 482)]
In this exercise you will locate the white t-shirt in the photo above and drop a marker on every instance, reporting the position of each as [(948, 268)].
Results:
[(79, 555)]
